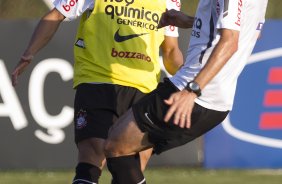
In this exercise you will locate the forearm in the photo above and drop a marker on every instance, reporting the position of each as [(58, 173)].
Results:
[(43, 33), (172, 56), (173, 60), (223, 51)]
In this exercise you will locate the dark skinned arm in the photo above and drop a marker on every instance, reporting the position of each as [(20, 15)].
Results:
[(41, 36)]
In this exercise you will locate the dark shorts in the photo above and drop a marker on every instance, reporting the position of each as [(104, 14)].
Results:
[(98, 106), (150, 111)]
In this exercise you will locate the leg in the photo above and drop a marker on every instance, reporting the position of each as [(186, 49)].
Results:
[(121, 148), (91, 156), (97, 107), (144, 158), (91, 151), (91, 160), (125, 138)]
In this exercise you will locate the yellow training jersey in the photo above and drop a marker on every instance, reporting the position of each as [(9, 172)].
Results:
[(118, 43)]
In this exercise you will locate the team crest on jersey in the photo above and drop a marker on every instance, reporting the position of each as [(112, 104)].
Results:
[(81, 121), (80, 43)]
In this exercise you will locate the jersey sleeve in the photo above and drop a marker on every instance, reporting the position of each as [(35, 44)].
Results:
[(230, 12), (172, 30), (72, 9)]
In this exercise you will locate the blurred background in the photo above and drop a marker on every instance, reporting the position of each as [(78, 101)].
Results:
[(34, 9), (36, 133)]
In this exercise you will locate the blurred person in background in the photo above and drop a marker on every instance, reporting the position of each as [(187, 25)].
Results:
[(116, 63), (199, 96)]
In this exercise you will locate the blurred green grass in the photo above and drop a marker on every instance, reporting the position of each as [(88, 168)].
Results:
[(154, 176), (28, 9)]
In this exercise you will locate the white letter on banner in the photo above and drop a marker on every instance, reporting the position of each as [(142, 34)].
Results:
[(53, 124), (11, 105)]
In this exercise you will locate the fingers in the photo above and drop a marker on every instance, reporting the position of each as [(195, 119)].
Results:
[(169, 101), (185, 121), (182, 122), (162, 20), (171, 110), (14, 78), (15, 74), (182, 118), (188, 121), (168, 18), (181, 105), (18, 70)]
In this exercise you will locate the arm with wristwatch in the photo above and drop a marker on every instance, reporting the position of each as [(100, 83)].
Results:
[(182, 102)]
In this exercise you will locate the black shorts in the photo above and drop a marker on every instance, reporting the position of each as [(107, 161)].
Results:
[(150, 111), (98, 106)]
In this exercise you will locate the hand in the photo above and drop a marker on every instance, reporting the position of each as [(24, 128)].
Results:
[(181, 106), (21, 66), (167, 18), (175, 18)]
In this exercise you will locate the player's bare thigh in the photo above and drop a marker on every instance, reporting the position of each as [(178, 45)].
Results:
[(125, 138)]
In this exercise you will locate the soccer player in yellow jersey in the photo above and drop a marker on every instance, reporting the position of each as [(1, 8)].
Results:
[(116, 63)]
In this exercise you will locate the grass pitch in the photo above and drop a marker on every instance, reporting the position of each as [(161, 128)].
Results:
[(154, 176)]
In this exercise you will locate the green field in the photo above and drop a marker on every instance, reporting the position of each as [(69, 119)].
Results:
[(155, 176)]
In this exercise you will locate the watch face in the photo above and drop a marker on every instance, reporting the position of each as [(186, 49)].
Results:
[(193, 86)]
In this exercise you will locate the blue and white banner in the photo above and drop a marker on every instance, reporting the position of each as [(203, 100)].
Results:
[(251, 136)]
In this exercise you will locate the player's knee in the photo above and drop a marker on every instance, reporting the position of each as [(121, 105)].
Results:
[(91, 152), (108, 149), (111, 149)]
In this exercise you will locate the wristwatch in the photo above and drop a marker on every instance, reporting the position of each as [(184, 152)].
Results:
[(194, 87)]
